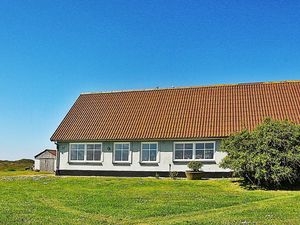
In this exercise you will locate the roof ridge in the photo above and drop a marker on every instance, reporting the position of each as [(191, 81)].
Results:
[(191, 87)]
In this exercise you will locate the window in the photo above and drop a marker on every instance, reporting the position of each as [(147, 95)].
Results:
[(205, 150), (93, 152), (122, 152), (187, 151), (149, 152), (86, 152), (77, 152), (184, 151)]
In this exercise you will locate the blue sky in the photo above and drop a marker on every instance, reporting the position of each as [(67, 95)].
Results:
[(51, 51)]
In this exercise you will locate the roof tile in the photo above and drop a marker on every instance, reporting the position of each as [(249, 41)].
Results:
[(178, 113)]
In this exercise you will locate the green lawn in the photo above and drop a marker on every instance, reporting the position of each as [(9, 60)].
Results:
[(48, 199), (23, 173)]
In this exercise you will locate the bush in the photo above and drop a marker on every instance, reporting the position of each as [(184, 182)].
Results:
[(268, 156), (173, 174), (195, 165), (157, 175)]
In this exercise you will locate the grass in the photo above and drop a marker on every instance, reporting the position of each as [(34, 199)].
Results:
[(97, 200), (23, 173)]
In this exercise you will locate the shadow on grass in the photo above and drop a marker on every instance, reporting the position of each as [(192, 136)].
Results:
[(285, 187)]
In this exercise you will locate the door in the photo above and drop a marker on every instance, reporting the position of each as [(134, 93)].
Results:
[(47, 165)]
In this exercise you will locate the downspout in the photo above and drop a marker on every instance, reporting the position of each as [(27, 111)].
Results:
[(57, 159)]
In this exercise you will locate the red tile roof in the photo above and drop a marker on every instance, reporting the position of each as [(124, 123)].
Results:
[(178, 113), (53, 152)]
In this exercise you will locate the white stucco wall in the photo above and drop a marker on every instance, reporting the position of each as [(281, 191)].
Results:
[(55, 164), (165, 149), (36, 164)]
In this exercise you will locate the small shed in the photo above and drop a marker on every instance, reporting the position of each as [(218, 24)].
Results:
[(45, 160)]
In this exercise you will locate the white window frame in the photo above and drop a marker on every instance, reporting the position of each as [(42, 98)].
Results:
[(85, 152), (129, 154), (183, 142), (157, 153), (194, 151), (203, 142)]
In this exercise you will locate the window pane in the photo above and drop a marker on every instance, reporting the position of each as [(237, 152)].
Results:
[(118, 146), (209, 154), (145, 146), (199, 154), (153, 146), (178, 146), (125, 146), (80, 155), (188, 154), (89, 155), (125, 155), (199, 146), (209, 145), (90, 147), (73, 155), (80, 146), (153, 154), (98, 147), (118, 155), (97, 155), (73, 146), (145, 155), (178, 154), (188, 146)]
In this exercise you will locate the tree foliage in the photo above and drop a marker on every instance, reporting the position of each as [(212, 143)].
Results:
[(268, 156)]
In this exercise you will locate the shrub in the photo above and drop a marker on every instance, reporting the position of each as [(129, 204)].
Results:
[(173, 174), (195, 165), (268, 156), (157, 175)]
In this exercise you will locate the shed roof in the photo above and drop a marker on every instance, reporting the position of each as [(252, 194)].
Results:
[(51, 151), (178, 113)]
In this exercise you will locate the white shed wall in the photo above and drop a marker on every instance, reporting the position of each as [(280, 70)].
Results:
[(36, 164)]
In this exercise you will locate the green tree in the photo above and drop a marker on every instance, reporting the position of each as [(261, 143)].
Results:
[(268, 156)]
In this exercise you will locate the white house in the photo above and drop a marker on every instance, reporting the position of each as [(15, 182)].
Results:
[(144, 132)]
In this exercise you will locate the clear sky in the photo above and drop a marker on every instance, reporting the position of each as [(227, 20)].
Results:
[(51, 51)]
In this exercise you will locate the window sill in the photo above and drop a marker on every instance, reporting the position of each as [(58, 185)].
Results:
[(120, 163), (195, 160), (85, 163), (149, 163)]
